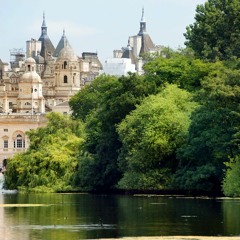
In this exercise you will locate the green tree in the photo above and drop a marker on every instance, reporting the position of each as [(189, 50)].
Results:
[(213, 134), (116, 97), (51, 160), (231, 182), (179, 68), (150, 136), (215, 34), (90, 97)]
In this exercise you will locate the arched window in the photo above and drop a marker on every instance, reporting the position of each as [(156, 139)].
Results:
[(65, 64), (19, 142), (65, 79), (29, 68)]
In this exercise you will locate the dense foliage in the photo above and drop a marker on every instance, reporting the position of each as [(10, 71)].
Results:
[(215, 33), (231, 183), (150, 136), (116, 97), (179, 68), (49, 163), (213, 133)]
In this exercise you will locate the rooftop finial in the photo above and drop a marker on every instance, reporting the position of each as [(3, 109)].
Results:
[(143, 19), (63, 31), (44, 22)]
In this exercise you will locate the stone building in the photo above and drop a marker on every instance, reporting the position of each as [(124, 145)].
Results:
[(29, 105), (138, 46), (62, 72), (44, 82)]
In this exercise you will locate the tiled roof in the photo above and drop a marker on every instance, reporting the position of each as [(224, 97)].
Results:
[(62, 43), (147, 43), (47, 46)]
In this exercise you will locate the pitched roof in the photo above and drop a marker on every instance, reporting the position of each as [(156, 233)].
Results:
[(147, 43), (62, 43), (47, 46)]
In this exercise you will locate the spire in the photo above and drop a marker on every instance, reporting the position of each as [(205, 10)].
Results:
[(143, 19), (143, 24), (62, 43), (47, 47), (44, 26)]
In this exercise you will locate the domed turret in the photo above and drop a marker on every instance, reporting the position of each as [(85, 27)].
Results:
[(67, 53), (30, 74), (30, 98), (30, 60)]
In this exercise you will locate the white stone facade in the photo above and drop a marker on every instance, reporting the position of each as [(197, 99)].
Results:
[(118, 66), (13, 128)]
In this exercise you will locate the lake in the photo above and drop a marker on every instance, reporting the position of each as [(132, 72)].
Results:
[(86, 216)]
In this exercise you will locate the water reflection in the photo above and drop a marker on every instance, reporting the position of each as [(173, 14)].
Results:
[(78, 216), (231, 212)]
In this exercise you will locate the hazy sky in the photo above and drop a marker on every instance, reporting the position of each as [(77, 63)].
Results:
[(93, 25)]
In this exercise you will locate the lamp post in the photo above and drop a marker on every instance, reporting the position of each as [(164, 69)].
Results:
[(32, 100)]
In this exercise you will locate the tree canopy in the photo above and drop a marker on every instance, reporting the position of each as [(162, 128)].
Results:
[(116, 97), (51, 160), (215, 34), (150, 136), (213, 133)]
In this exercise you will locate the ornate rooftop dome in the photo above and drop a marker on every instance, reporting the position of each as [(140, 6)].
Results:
[(30, 61), (30, 74), (31, 77), (67, 53)]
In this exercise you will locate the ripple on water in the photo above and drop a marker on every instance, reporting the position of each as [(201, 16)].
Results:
[(67, 227)]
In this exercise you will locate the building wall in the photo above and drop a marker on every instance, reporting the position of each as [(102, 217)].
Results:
[(118, 66), (11, 127), (32, 48), (136, 44)]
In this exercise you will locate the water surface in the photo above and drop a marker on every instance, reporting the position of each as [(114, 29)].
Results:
[(83, 216)]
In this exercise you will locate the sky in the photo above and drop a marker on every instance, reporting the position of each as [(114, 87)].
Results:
[(94, 25)]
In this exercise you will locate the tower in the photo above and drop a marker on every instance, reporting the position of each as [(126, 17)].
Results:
[(143, 24), (30, 98), (67, 75), (47, 48)]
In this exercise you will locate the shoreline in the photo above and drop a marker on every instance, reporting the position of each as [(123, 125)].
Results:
[(178, 238)]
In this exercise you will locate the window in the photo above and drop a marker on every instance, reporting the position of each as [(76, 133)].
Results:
[(29, 68), (65, 65), (19, 142), (65, 79), (5, 143), (5, 130)]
